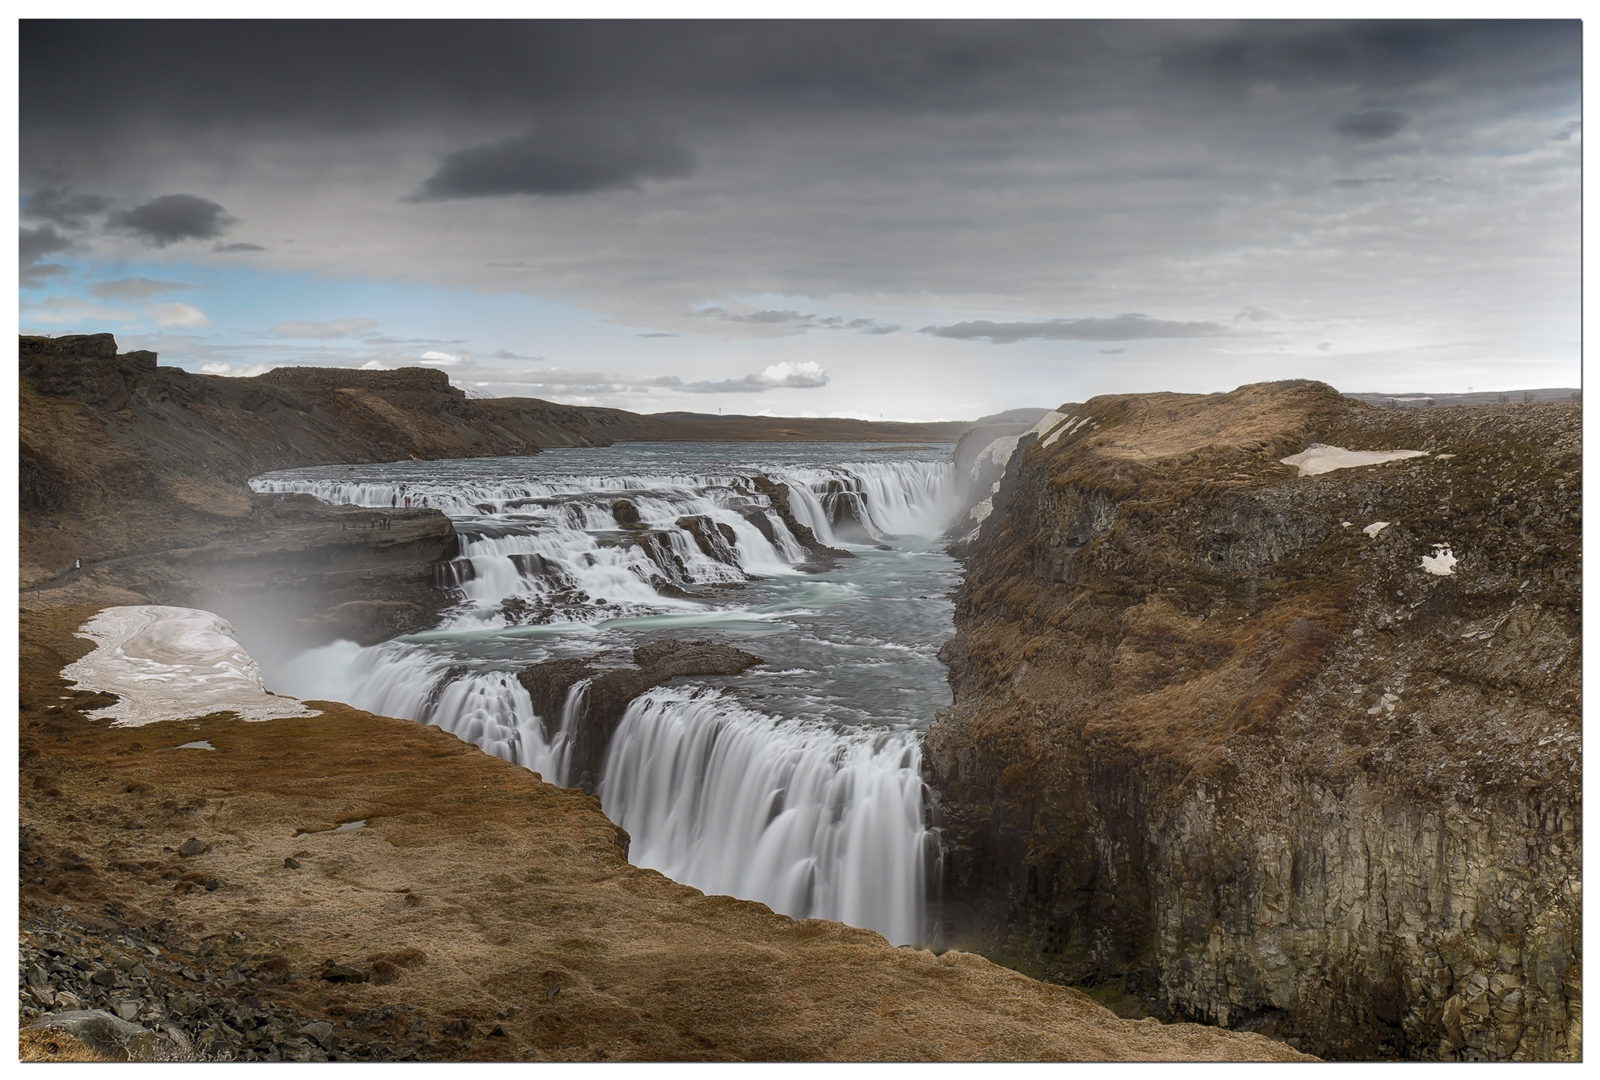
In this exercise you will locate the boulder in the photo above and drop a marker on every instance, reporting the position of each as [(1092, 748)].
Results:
[(105, 1034)]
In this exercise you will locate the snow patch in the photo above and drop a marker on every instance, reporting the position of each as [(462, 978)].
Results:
[(1317, 459), (171, 663), (1065, 429), (1441, 562), (1375, 528), (996, 453), (1046, 422)]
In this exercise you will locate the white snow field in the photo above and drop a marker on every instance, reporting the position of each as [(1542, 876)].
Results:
[(170, 663)]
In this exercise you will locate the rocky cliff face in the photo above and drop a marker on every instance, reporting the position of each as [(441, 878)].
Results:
[(1223, 743)]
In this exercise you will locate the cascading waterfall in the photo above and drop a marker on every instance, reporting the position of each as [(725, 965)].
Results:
[(810, 821), (811, 811)]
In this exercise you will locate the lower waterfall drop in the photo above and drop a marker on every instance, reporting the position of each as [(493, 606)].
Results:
[(811, 822)]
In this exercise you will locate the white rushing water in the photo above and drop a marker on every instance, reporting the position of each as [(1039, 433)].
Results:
[(796, 784)]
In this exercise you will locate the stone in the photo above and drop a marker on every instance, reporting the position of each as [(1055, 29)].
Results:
[(192, 847), (332, 972), (290, 863), (321, 1031), (102, 1032)]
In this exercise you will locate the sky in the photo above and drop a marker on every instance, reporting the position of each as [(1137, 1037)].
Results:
[(909, 220)]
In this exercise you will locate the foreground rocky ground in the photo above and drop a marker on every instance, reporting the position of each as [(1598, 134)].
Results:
[(1225, 747), (354, 887), (211, 896)]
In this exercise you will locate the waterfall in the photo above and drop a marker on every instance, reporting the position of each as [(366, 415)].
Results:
[(809, 815), (883, 499), (810, 821)]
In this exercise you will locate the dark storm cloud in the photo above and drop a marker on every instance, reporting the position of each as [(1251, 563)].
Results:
[(171, 218), (1131, 327), (568, 158), (33, 243), (1371, 124), (62, 207), (1385, 54), (32, 246), (135, 288)]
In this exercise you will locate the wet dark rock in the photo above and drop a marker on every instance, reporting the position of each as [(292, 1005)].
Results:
[(626, 514), (822, 557), (715, 539), (612, 689)]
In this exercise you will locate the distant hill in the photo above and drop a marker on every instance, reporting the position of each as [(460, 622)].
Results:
[(1486, 397)]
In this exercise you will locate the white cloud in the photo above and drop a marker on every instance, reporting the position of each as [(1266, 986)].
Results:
[(330, 329), (179, 315), (374, 365), (442, 359), (237, 371), (806, 373)]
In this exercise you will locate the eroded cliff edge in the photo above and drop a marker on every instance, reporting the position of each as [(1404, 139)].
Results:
[(1217, 744)]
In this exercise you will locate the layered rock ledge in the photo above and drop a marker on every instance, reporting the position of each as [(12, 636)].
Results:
[(1224, 750)]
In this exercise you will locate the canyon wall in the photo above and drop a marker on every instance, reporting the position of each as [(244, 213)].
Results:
[(1223, 746)]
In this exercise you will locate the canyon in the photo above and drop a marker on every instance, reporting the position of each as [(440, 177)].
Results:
[(346, 886), (1230, 743)]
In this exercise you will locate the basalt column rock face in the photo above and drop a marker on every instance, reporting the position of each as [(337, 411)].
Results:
[(1291, 753)]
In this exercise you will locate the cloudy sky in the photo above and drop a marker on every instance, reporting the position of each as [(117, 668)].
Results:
[(912, 220)]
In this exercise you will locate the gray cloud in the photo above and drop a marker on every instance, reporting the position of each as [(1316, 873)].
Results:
[(33, 243), (1111, 352), (1253, 314), (172, 218), (1130, 327), (794, 320), (568, 158), (138, 288), (333, 328), (1371, 124), (806, 375), (1568, 130), (58, 205), (237, 246), (32, 246), (1361, 181)]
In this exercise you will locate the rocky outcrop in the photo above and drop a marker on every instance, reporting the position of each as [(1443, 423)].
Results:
[(821, 557), (611, 689), (1219, 745)]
